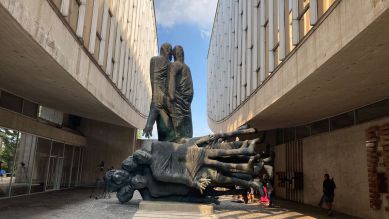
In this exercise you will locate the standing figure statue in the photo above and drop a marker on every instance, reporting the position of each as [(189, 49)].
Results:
[(159, 68), (172, 95), (180, 88)]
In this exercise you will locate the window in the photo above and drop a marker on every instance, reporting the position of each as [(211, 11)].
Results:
[(303, 131), (50, 115), (373, 111), (30, 109), (320, 127), (342, 121), (289, 134), (11, 102)]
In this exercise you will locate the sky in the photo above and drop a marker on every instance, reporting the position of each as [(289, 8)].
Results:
[(189, 23)]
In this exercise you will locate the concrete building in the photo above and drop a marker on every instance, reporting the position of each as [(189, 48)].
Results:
[(313, 76), (74, 89)]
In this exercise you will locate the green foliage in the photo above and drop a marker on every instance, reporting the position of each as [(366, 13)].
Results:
[(10, 140), (139, 134)]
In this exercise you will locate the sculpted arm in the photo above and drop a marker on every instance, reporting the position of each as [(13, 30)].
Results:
[(153, 113)]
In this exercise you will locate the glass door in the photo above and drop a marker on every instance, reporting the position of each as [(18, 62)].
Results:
[(55, 166)]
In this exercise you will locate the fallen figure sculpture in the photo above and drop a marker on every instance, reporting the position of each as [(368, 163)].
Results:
[(190, 170)]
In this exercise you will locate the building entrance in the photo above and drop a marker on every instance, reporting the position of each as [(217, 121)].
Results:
[(33, 164)]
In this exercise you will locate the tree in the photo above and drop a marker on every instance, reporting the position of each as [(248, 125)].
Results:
[(10, 141), (138, 134)]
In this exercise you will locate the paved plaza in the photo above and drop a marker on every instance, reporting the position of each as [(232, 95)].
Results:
[(76, 203)]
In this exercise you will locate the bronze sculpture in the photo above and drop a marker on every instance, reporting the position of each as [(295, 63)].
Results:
[(172, 94), (180, 87), (159, 67), (179, 167), (171, 171)]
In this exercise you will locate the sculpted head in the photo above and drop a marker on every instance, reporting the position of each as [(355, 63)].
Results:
[(129, 164), (125, 194), (142, 157), (178, 53), (116, 179), (166, 51)]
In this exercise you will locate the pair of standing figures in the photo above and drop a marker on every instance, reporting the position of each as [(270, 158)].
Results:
[(172, 94)]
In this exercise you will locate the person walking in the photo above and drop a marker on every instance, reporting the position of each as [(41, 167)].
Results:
[(329, 187)]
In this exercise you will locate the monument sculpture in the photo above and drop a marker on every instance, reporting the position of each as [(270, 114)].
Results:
[(172, 94), (180, 95), (179, 167), (159, 112)]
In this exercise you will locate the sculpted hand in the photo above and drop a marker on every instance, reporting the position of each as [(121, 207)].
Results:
[(147, 131), (202, 184), (212, 137)]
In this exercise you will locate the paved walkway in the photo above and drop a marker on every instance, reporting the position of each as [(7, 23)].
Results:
[(75, 203)]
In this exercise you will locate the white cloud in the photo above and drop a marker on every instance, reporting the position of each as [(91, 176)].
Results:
[(197, 12)]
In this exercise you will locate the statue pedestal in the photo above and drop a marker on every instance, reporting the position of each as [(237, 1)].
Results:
[(161, 209)]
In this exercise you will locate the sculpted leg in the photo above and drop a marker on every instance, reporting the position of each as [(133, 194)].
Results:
[(226, 180), (244, 150), (165, 127), (228, 167), (228, 145)]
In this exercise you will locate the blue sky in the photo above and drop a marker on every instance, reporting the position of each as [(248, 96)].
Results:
[(189, 23)]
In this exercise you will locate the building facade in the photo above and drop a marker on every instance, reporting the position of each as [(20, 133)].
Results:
[(74, 89), (312, 75)]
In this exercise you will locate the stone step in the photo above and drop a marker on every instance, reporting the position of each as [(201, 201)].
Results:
[(176, 207), (142, 214)]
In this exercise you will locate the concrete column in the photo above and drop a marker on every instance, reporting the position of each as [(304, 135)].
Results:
[(81, 18), (133, 57), (231, 55), (123, 50), (125, 70), (236, 52), (240, 23), (104, 27), (271, 36), (244, 51), (116, 57), (295, 22), (249, 47), (313, 11), (262, 40), (111, 43), (92, 36), (65, 8), (281, 17), (255, 51), (130, 52)]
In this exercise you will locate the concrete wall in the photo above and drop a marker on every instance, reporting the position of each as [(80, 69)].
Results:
[(342, 154), (56, 67), (326, 65), (104, 142), (279, 166), (12, 120)]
